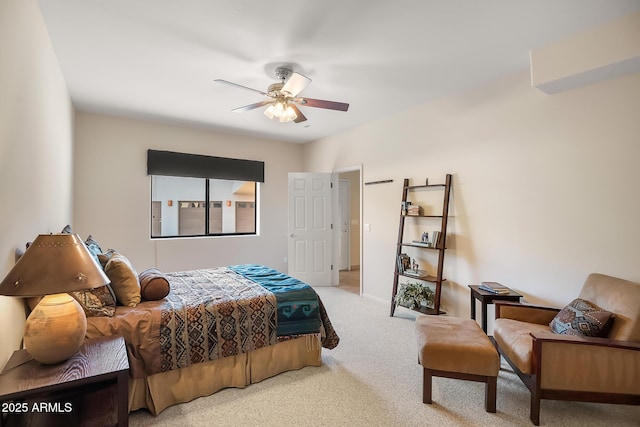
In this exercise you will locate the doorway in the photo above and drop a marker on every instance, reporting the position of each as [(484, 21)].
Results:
[(349, 201), (156, 219)]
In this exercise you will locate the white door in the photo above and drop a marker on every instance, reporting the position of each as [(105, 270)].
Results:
[(344, 202), (310, 229)]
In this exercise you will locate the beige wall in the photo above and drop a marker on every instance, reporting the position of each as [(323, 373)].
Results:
[(545, 187), (112, 192), (36, 121), (608, 51)]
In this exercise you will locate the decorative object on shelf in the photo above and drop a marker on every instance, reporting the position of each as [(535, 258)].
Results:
[(53, 265), (414, 295), (405, 207)]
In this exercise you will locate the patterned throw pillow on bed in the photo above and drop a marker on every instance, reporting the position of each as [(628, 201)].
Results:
[(96, 302), (582, 317), (93, 247)]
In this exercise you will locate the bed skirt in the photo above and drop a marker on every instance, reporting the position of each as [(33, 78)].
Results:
[(159, 391)]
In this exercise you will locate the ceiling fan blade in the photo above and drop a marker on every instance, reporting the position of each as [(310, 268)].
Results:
[(299, 116), (240, 86), (319, 103), (252, 106), (296, 83)]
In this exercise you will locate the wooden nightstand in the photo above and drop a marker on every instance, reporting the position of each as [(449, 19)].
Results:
[(488, 298), (89, 389)]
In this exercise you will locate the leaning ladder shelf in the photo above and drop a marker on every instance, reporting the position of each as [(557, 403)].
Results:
[(440, 248)]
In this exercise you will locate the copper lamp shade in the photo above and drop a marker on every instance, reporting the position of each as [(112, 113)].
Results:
[(53, 265)]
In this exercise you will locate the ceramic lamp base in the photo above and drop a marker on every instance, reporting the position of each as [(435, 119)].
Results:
[(55, 329)]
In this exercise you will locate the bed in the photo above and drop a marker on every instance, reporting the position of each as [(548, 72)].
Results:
[(216, 328)]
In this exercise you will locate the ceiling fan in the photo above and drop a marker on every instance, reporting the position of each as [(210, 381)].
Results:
[(283, 97)]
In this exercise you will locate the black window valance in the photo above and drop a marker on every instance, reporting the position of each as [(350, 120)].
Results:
[(198, 166)]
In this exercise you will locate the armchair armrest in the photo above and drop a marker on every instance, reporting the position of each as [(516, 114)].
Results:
[(587, 364), (584, 340), (525, 312)]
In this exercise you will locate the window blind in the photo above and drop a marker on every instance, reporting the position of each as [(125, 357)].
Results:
[(170, 163)]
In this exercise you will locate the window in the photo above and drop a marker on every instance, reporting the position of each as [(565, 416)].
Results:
[(187, 205), (179, 206)]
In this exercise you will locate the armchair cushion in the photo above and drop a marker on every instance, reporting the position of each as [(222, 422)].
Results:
[(515, 340), (581, 317)]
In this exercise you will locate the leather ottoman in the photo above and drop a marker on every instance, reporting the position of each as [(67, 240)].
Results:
[(457, 348)]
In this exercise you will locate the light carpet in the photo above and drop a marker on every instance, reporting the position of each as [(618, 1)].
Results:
[(373, 379)]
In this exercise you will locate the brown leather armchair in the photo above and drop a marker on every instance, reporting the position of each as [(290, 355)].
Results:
[(566, 367)]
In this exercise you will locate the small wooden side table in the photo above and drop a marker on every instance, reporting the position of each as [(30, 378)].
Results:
[(91, 388), (485, 298)]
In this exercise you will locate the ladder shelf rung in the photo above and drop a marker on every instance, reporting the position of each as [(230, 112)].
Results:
[(427, 278), (412, 187)]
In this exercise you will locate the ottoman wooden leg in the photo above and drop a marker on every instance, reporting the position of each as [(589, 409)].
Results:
[(490, 394), (426, 385)]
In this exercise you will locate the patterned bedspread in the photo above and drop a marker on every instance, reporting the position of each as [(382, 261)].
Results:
[(209, 314), (214, 313)]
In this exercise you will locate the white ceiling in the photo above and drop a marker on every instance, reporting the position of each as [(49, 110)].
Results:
[(157, 59)]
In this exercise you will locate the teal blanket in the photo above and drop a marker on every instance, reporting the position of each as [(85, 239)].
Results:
[(297, 302)]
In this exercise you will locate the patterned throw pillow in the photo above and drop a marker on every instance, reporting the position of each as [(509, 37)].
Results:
[(96, 302), (93, 247), (581, 317)]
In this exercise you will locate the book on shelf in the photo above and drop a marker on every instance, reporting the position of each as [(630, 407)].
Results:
[(494, 287), (421, 243), (414, 210), (403, 263), (435, 239), (415, 273)]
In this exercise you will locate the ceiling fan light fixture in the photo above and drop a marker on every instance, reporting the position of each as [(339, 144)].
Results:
[(282, 110), (269, 111), (283, 97), (279, 109), (288, 115)]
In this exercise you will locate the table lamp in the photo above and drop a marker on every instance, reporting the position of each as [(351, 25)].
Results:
[(53, 265)]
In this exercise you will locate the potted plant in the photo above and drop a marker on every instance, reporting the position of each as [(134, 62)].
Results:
[(414, 295)]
